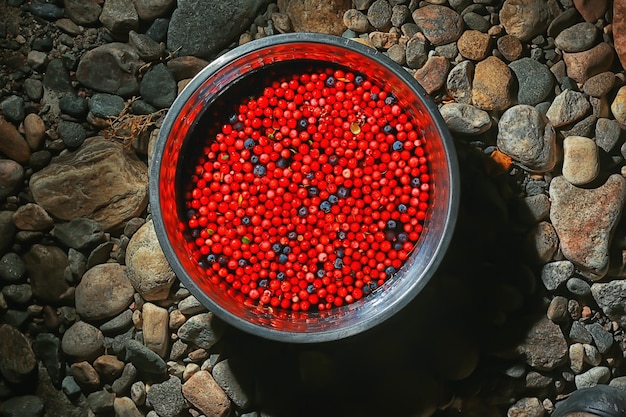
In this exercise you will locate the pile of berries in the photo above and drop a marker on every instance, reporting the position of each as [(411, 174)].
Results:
[(310, 194)]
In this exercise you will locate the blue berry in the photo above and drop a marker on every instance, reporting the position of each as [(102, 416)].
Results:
[(397, 246), (388, 129), (210, 258), (303, 124), (321, 273), (391, 224), (254, 159), (397, 146), (282, 258), (292, 235), (280, 276), (391, 99), (302, 211), (325, 206), (358, 80), (403, 237), (332, 199), (263, 283), (245, 221), (390, 270), (287, 249), (242, 262), (249, 143), (338, 263), (374, 97), (232, 119), (259, 170), (313, 191), (277, 247), (340, 253), (402, 208), (415, 182), (330, 82), (343, 192), (282, 163), (310, 289), (341, 235)]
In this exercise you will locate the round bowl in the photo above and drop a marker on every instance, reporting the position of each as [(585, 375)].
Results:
[(172, 153)]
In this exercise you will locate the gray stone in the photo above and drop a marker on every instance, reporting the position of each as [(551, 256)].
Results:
[(578, 286), (106, 105), (47, 348), (148, 49), (584, 127), (33, 89), (101, 402), (594, 376), (203, 330), (416, 53), (568, 107), (158, 87), (535, 208), (607, 134), (400, 14), (100, 254), (17, 293), (167, 397), (536, 380), (542, 242), (191, 305), (234, 380), (465, 118), (57, 77), (379, 14), (22, 406), (7, 230), (356, 21), (158, 29), (122, 384), (601, 337), (528, 137), (46, 11), (440, 24), (592, 355), (118, 324), (611, 297), (544, 348), (83, 341), (110, 68), (556, 273), (45, 266), (102, 181), (144, 359), (138, 392), (17, 359), (579, 333), (12, 267), (73, 134), (120, 17), (103, 292), (585, 219), (83, 12), (474, 21), (203, 28), (149, 10), (74, 106), (13, 108), (79, 233), (535, 81), (577, 38), (397, 53), (70, 387)]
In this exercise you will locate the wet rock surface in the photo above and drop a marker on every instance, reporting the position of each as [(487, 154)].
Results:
[(95, 322)]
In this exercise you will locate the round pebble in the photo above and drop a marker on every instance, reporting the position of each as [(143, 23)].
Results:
[(581, 163)]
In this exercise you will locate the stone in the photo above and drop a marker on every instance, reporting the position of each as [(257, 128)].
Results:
[(528, 137), (110, 68), (12, 267), (619, 30), (12, 143), (459, 82), (148, 49), (319, 16), (101, 402), (184, 67), (557, 310), (542, 242), (594, 376), (125, 407), (32, 217), (585, 219), (440, 24), (138, 393), (17, 293), (109, 367), (465, 118), (577, 357), (143, 358), (79, 233), (525, 19), (106, 105), (148, 268), (610, 297), (544, 347), (432, 76), (383, 40), (474, 21), (577, 38), (568, 107), (57, 78), (33, 89), (85, 13), (205, 394), (535, 81), (474, 45), (103, 292), (202, 330), (34, 130), (607, 134), (599, 85), (74, 106), (158, 87), (122, 384), (167, 397), (416, 52), (583, 65), (535, 208), (82, 341), (235, 381), (22, 406), (618, 106), (536, 380), (578, 287), (73, 184), (581, 163), (73, 134), (151, 9), (379, 14), (491, 87), (17, 359), (13, 108), (602, 339), (554, 274), (45, 266), (356, 21), (397, 53), (191, 305), (510, 47), (118, 324), (119, 17), (591, 10), (203, 28), (155, 328), (400, 14), (11, 177)]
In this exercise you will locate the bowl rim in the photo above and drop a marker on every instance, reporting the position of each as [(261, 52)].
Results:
[(452, 202)]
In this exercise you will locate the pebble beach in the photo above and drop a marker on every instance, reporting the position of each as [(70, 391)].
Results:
[(528, 305)]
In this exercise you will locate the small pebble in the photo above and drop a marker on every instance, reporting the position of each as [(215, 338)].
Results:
[(581, 163)]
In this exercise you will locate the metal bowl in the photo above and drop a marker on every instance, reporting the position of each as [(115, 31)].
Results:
[(171, 155)]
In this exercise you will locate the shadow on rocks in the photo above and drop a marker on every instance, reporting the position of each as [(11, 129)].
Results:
[(452, 343)]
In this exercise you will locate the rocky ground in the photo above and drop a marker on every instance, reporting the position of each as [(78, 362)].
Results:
[(529, 304)]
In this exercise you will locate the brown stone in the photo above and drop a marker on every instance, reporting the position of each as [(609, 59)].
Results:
[(474, 45), (155, 328), (17, 359), (34, 130), (491, 88), (619, 30), (205, 394), (510, 47), (440, 24), (525, 19), (45, 266), (12, 143), (592, 10), (102, 181), (32, 217), (103, 292), (186, 66), (545, 347), (85, 375), (433, 74), (583, 65), (599, 85), (319, 16), (109, 367), (585, 219)]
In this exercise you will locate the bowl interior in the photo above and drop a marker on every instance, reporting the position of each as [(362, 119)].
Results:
[(173, 152)]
